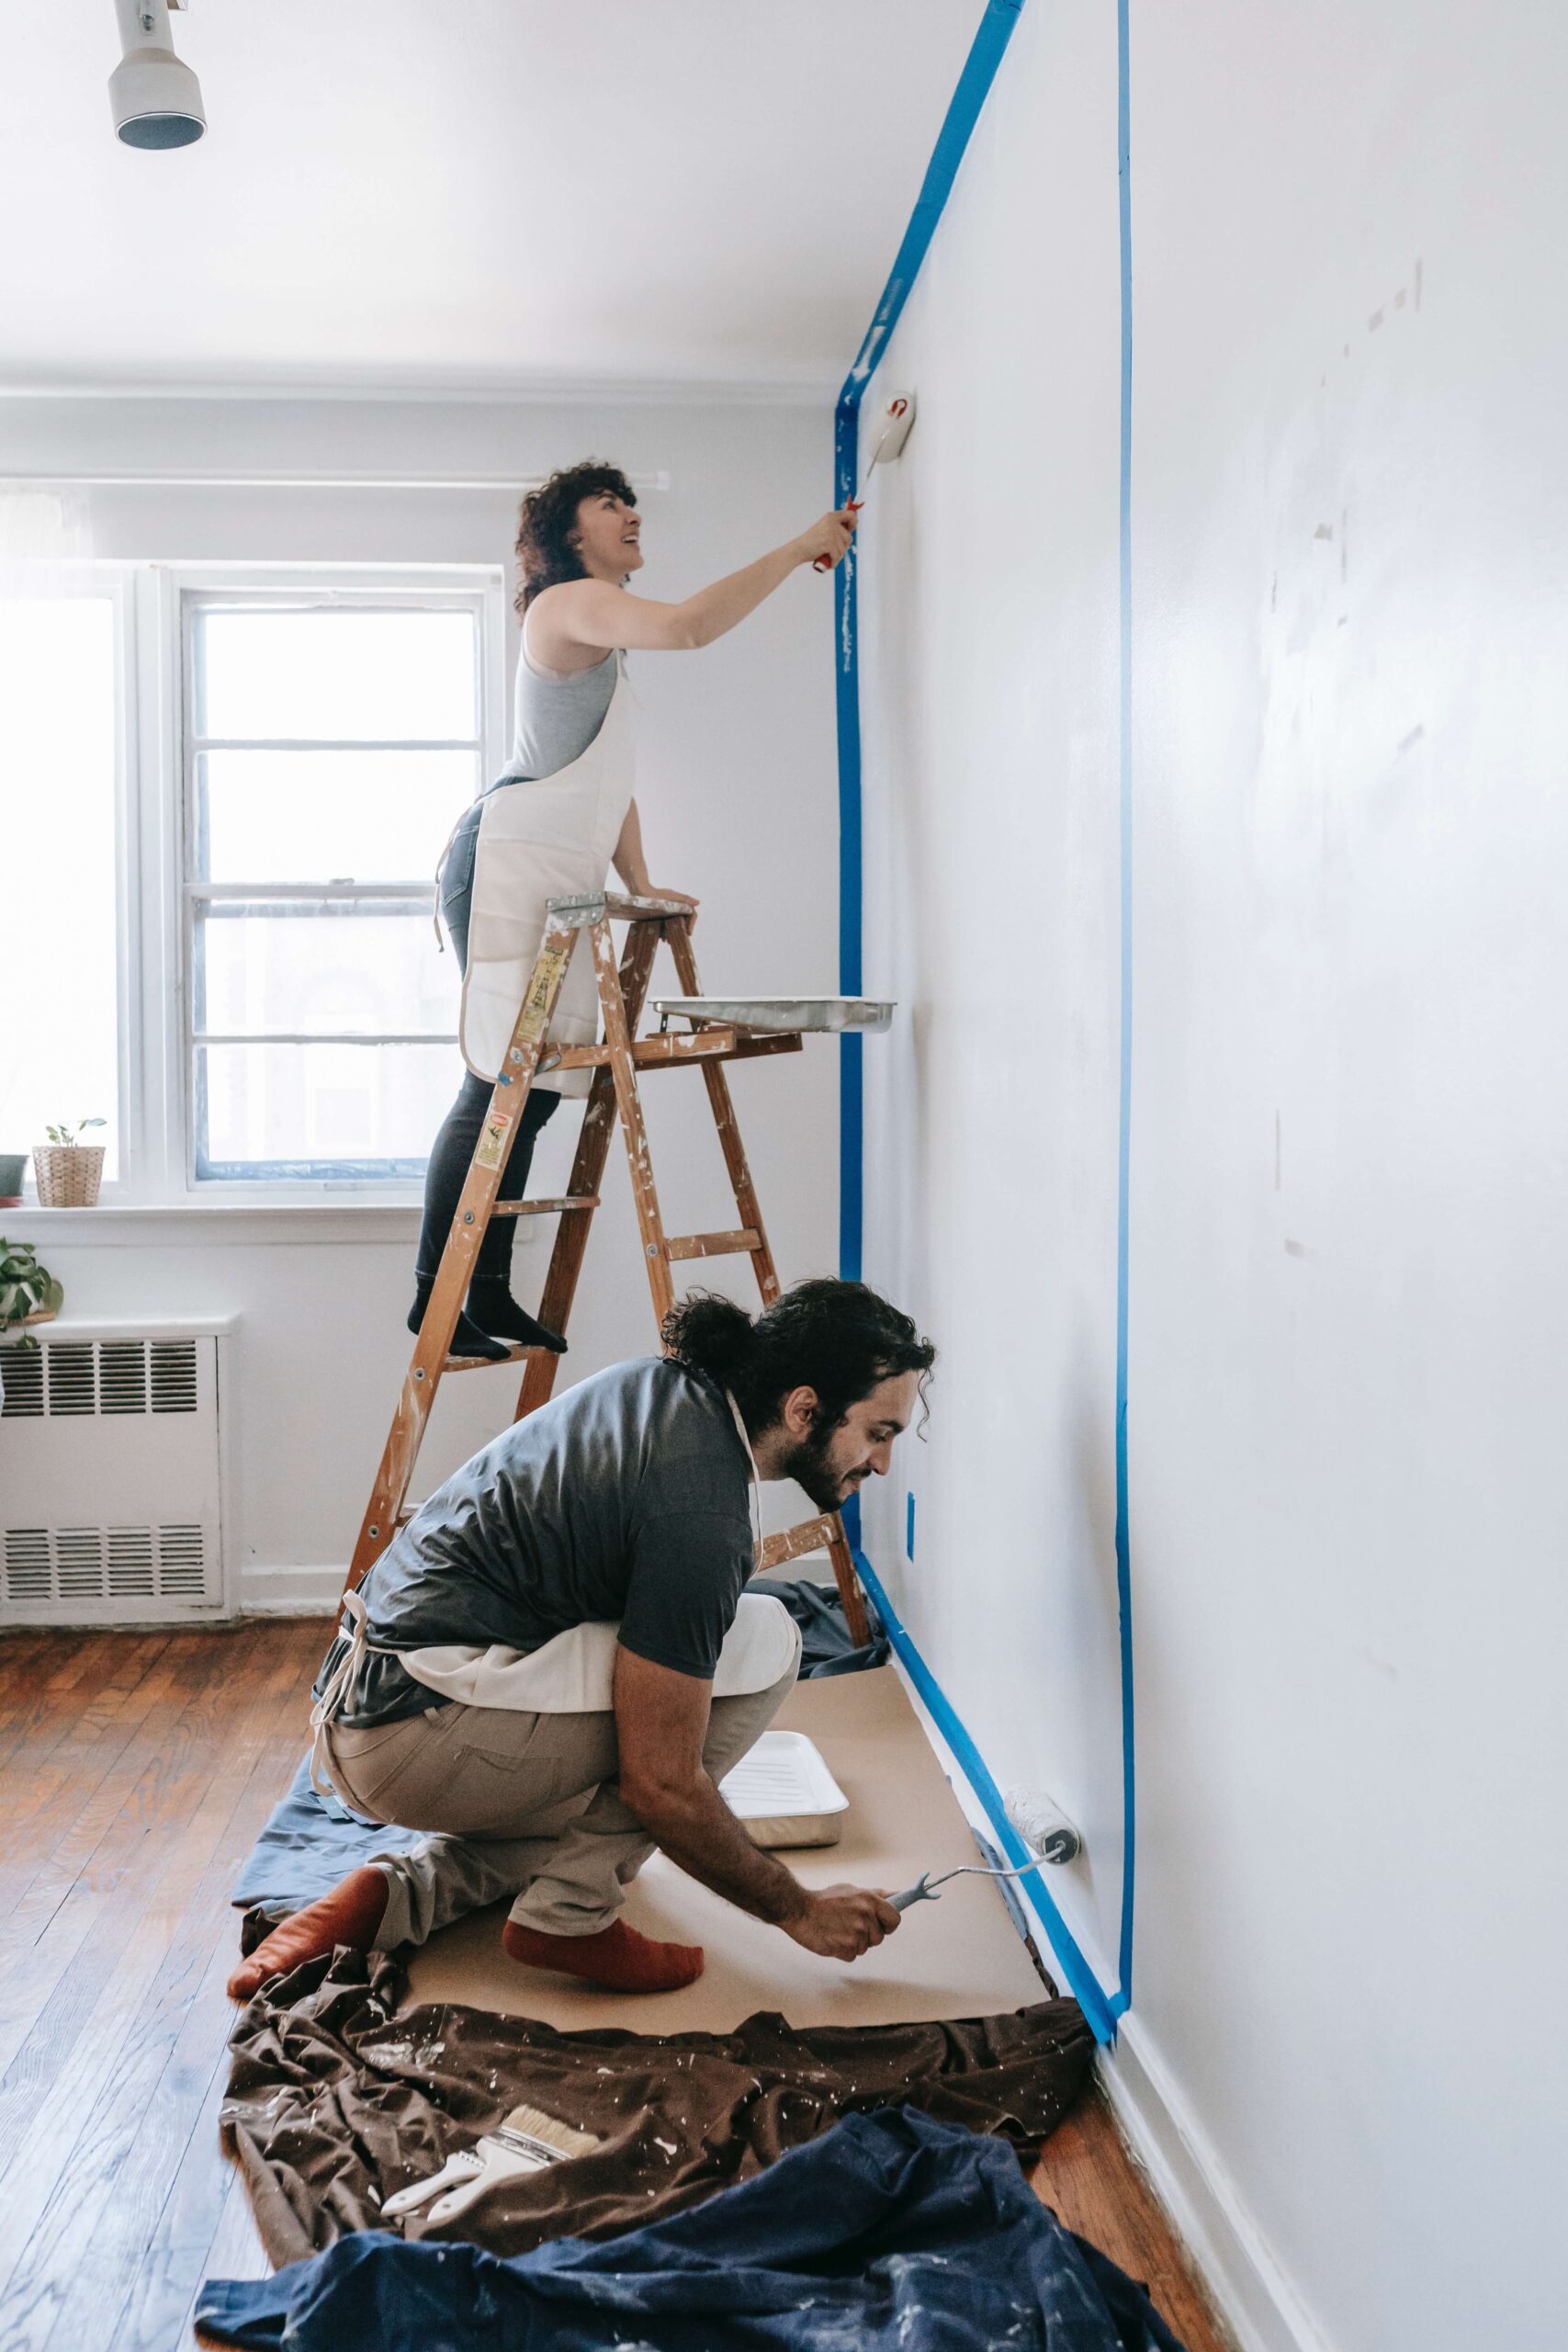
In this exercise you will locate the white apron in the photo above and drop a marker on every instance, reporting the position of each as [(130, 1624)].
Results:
[(540, 841)]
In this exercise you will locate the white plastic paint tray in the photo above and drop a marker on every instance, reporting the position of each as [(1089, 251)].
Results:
[(784, 1794), (830, 1015)]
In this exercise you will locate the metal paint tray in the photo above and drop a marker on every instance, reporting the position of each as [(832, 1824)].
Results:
[(818, 1013), (783, 1793)]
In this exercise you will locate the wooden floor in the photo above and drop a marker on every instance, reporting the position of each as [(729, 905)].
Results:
[(135, 1773)]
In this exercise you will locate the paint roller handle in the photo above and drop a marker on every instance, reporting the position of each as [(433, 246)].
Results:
[(924, 1892), (851, 508), (921, 1891)]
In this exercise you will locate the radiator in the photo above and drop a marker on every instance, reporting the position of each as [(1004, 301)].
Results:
[(112, 1449)]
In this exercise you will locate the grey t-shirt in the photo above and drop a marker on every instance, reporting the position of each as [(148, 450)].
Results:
[(625, 1500)]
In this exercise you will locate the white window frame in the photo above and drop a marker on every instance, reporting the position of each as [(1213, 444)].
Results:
[(157, 1124)]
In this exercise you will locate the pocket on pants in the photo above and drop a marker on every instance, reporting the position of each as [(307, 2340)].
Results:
[(496, 1787)]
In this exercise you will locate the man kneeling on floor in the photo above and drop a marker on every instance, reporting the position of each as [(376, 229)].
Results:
[(554, 1663)]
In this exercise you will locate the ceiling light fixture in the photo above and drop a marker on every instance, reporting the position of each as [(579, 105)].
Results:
[(155, 100)]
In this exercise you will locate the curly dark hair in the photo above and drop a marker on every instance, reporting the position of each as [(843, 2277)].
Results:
[(544, 554), (838, 1338)]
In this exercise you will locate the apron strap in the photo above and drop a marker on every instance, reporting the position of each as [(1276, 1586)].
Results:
[(333, 1693)]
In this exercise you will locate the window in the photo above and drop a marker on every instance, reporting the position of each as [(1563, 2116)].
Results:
[(59, 764), (225, 792), (330, 742)]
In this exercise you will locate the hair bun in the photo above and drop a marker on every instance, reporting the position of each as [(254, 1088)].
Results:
[(712, 1334)]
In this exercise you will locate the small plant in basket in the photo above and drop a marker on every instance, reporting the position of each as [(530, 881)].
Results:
[(29, 1293), (69, 1172)]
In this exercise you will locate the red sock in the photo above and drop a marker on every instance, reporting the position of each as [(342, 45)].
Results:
[(350, 1914), (617, 1957)]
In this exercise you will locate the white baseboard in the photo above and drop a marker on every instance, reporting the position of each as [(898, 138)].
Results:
[(289, 1592), (1250, 2292)]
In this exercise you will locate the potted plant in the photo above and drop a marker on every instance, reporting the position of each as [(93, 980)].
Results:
[(29, 1293), (69, 1172), (13, 1167)]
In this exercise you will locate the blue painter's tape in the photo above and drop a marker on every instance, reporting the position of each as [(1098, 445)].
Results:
[(996, 28), (1100, 2011)]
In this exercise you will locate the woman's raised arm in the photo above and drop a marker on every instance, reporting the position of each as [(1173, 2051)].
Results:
[(577, 614)]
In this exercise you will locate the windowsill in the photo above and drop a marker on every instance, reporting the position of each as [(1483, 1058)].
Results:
[(215, 1224)]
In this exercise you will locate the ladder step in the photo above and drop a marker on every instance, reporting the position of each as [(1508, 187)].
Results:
[(492, 1363), (713, 1245), (811, 1535), (564, 1206)]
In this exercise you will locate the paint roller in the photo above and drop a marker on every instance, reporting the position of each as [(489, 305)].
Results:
[(897, 418), (1045, 1829)]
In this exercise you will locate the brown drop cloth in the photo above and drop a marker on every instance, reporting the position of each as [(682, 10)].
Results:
[(335, 2102)]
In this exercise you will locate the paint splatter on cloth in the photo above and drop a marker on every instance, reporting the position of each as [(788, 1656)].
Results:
[(336, 2100), (892, 2231)]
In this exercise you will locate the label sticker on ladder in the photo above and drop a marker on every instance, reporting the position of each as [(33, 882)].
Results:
[(493, 1140), (542, 990)]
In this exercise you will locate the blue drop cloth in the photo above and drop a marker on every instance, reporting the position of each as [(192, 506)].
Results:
[(892, 2233)]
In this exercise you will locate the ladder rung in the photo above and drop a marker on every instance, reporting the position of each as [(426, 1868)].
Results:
[(491, 1363), (547, 1208), (713, 1245), (811, 1535)]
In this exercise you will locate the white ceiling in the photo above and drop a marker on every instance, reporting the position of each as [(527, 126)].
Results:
[(489, 195)]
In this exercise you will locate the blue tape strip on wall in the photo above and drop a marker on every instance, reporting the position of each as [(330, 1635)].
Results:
[(996, 29), (1082, 1982)]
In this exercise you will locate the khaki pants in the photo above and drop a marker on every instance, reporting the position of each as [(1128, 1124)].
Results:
[(523, 1806)]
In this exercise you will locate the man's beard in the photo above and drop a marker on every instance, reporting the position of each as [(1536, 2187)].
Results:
[(810, 1468)]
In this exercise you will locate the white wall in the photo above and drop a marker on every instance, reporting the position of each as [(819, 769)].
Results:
[(1347, 1379), (737, 787)]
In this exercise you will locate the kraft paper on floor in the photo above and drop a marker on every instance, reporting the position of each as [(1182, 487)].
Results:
[(959, 1957)]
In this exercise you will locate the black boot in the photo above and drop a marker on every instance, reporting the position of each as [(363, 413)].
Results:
[(492, 1306), (467, 1340)]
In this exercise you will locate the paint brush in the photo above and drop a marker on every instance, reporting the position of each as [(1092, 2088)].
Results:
[(526, 2141)]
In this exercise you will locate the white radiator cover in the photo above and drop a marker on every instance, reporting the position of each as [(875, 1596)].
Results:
[(113, 1445)]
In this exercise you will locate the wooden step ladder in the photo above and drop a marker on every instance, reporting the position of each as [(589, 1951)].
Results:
[(616, 1064)]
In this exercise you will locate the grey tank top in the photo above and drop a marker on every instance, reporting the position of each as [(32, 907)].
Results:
[(554, 719)]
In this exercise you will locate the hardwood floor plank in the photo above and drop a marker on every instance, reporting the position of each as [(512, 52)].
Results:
[(142, 2128), (71, 1909), (50, 2087), (1087, 2175), (32, 1718), (179, 2250), (55, 1825)]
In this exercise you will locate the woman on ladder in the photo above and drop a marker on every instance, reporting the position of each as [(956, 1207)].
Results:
[(552, 825)]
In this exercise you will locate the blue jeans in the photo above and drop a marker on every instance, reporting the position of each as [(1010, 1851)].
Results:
[(454, 1148)]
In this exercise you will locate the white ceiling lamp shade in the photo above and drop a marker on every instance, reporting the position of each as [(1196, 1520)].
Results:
[(156, 101)]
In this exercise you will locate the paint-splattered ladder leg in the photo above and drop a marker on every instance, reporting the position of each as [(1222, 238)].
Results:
[(617, 1038), (751, 1213), (502, 1122), (748, 1208), (587, 1175)]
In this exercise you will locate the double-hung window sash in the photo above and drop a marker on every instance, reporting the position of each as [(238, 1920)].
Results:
[(330, 743)]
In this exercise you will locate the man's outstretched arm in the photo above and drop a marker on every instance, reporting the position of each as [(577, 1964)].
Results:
[(661, 1720)]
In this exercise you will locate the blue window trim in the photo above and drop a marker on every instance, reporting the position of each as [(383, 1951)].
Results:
[(996, 29)]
